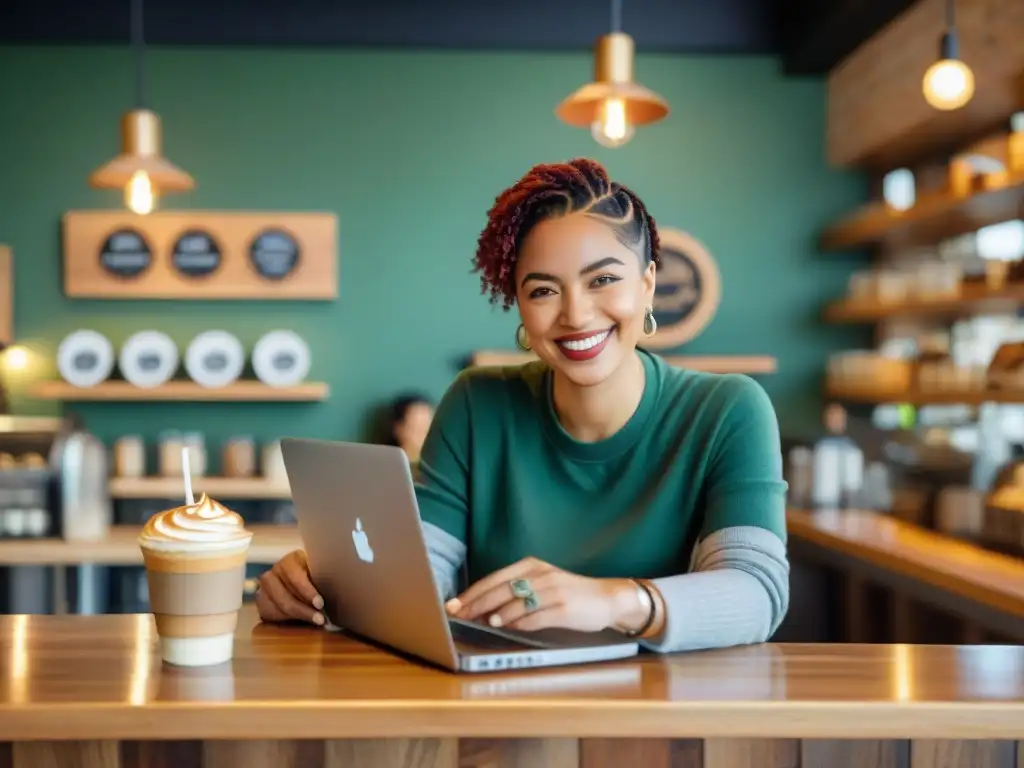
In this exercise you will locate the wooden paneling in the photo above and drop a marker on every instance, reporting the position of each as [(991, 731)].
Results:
[(877, 115), (854, 754), (529, 753), (66, 754), (751, 753), (943, 753), (162, 754), (614, 753), (519, 753)]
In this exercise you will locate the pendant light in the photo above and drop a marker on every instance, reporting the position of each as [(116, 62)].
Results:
[(948, 83), (140, 170), (613, 105)]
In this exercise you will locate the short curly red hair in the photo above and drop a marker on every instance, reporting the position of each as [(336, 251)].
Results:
[(557, 189)]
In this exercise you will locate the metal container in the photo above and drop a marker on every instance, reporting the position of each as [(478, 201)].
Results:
[(81, 464)]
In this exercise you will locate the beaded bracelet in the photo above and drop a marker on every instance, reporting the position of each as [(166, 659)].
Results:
[(650, 616)]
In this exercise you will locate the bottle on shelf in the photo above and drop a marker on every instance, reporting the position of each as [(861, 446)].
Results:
[(838, 464)]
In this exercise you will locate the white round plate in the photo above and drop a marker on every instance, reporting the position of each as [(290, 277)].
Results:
[(281, 359), (85, 358), (148, 359), (215, 359)]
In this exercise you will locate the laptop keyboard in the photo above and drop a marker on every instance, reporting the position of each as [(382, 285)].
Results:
[(479, 638)]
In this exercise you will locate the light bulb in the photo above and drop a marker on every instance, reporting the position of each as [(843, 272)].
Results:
[(15, 358), (948, 84), (612, 128), (139, 194)]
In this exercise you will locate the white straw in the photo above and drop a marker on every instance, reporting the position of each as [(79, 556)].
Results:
[(187, 473)]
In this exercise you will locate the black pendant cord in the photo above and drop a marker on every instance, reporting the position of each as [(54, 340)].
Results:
[(616, 15), (949, 45), (138, 53)]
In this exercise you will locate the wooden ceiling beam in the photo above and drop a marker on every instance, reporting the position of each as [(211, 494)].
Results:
[(877, 116)]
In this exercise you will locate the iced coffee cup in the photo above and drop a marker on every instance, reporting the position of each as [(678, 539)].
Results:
[(195, 565)]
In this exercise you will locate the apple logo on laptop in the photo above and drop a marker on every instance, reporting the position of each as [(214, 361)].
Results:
[(362, 542)]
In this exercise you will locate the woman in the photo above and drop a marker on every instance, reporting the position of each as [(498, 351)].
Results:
[(597, 487)]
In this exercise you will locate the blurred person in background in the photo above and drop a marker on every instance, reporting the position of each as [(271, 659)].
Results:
[(409, 419)]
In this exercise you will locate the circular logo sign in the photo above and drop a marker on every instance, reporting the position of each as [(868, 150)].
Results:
[(126, 254), (689, 288), (196, 254), (274, 254)]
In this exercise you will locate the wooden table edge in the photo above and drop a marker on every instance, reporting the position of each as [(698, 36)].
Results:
[(528, 718)]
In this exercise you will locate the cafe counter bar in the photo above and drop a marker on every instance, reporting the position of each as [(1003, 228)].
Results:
[(91, 692)]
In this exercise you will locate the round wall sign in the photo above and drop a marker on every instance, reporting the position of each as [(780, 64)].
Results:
[(126, 254), (689, 288), (274, 254), (196, 254)]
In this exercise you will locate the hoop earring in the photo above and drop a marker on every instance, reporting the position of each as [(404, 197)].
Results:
[(522, 340), (650, 324)]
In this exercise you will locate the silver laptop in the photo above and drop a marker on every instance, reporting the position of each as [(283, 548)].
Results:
[(360, 526)]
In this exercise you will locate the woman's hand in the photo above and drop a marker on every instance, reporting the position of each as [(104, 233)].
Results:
[(286, 592), (565, 600)]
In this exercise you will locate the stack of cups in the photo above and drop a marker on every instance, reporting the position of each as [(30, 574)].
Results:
[(195, 559)]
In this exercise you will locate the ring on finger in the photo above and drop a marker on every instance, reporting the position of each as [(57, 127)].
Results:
[(521, 588)]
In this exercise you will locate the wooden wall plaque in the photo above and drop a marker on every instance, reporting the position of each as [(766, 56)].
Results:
[(689, 290), (200, 255), (6, 296)]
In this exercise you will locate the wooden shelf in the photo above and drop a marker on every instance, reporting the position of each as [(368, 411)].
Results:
[(952, 397), (183, 391), (269, 544), (749, 364), (936, 216), (973, 299), (30, 424), (216, 487)]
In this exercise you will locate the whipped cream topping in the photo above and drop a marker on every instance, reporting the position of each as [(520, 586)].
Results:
[(205, 522)]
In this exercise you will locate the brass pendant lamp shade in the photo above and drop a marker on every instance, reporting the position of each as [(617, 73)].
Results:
[(141, 169), (613, 80), (141, 150)]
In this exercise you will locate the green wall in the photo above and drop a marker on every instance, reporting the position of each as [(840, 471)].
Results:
[(410, 149)]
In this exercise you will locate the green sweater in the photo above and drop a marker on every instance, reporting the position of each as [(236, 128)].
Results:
[(700, 455)]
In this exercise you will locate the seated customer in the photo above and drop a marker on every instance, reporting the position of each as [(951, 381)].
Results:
[(597, 487), (410, 416)]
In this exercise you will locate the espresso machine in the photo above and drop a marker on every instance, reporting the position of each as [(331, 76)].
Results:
[(53, 484)]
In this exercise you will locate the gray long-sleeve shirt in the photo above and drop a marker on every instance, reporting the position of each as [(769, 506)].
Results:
[(736, 591)]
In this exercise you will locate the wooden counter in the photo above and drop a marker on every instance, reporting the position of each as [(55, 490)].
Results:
[(981, 590), (91, 691)]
